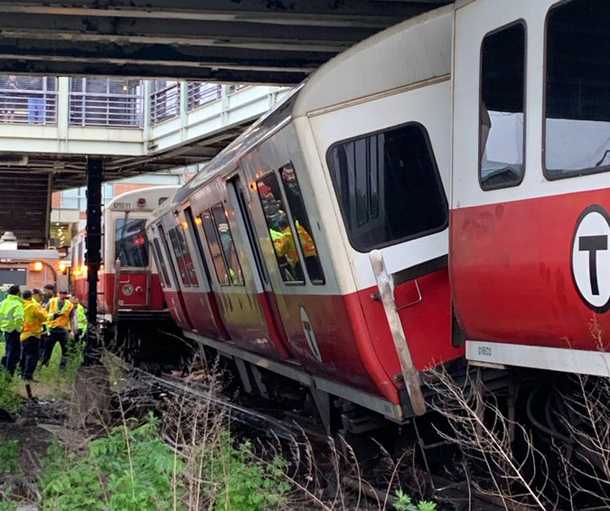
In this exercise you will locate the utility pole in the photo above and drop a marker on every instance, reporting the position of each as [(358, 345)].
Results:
[(93, 259)]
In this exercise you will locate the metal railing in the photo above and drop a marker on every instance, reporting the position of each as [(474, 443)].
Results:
[(112, 110), (200, 93), (165, 102), (103, 102), (28, 100), (106, 102)]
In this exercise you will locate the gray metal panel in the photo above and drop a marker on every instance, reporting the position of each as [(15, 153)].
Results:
[(297, 373), (24, 206), (13, 276)]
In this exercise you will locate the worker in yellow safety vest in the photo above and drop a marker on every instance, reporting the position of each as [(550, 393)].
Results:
[(60, 318), (11, 323), (81, 319), (34, 317)]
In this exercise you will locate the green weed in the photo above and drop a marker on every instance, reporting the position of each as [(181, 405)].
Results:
[(404, 502), (239, 481), (130, 470), (9, 451)]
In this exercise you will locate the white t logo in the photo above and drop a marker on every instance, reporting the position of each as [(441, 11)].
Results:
[(591, 258)]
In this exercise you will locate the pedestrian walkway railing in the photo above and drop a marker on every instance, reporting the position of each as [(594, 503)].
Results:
[(200, 94), (165, 103), (28, 100), (111, 110)]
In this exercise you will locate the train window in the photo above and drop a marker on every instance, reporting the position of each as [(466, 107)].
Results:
[(502, 108), (210, 234), (577, 118), (177, 248), (161, 266), (292, 191), (392, 178), (131, 247), (280, 230), (188, 259), (226, 244)]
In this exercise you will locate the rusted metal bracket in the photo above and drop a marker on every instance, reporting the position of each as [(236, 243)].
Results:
[(385, 283)]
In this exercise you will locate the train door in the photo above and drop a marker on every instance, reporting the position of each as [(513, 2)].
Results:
[(207, 321), (235, 278), (173, 294), (259, 271)]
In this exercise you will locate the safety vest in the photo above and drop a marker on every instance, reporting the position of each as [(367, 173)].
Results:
[(307, 244), (62, 321), (34, 317), (81, 318), (11, 314)]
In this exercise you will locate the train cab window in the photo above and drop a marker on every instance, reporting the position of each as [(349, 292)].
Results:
[(177, 248), (502, 108), (131, 247), (577, 119), (188, 259), (388, 187), (160, 260), (222, 274), (292, 191), (281, 232), (226, 245)]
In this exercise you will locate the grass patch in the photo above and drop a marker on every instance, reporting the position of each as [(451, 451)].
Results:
[(9, 452)]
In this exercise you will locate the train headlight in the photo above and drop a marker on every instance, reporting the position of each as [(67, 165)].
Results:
[(127, 289), (37, 266)]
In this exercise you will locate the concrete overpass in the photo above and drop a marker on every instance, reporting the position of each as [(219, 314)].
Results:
[(241, 41)]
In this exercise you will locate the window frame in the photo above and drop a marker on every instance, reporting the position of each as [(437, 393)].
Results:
[(162, 269), (293, 222), (437, 178), (574, 173), (228, 267), (502, 186), (185, 280), (125, 219), (226, 283), (291, 283)]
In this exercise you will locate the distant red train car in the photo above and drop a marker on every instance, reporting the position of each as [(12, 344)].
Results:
[(129, 287)]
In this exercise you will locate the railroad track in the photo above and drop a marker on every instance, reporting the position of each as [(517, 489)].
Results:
[(290, 431)]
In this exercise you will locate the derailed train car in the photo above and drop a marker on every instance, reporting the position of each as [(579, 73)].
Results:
[(434, 192)]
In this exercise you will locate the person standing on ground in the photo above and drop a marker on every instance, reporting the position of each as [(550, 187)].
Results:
[(34, 317), (11, 323), (48, 294), (81, 319), (60, 319)]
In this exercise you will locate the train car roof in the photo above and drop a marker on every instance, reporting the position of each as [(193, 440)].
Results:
[(366, 69), (148, 193)]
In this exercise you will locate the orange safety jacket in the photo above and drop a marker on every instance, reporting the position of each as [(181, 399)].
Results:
[(62, 321), (34, 317)]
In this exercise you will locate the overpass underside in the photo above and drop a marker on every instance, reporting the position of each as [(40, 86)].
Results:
[(240, 41)]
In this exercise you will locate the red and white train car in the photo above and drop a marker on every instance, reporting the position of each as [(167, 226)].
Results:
[(440, 186), (129, 287)]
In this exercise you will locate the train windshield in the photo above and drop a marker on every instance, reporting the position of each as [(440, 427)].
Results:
[(131, 247), (577, 126)]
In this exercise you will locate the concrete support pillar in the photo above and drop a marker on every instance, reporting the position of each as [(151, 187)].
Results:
[(184, 101), (63, 111), (147, 111), (95, 170)]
